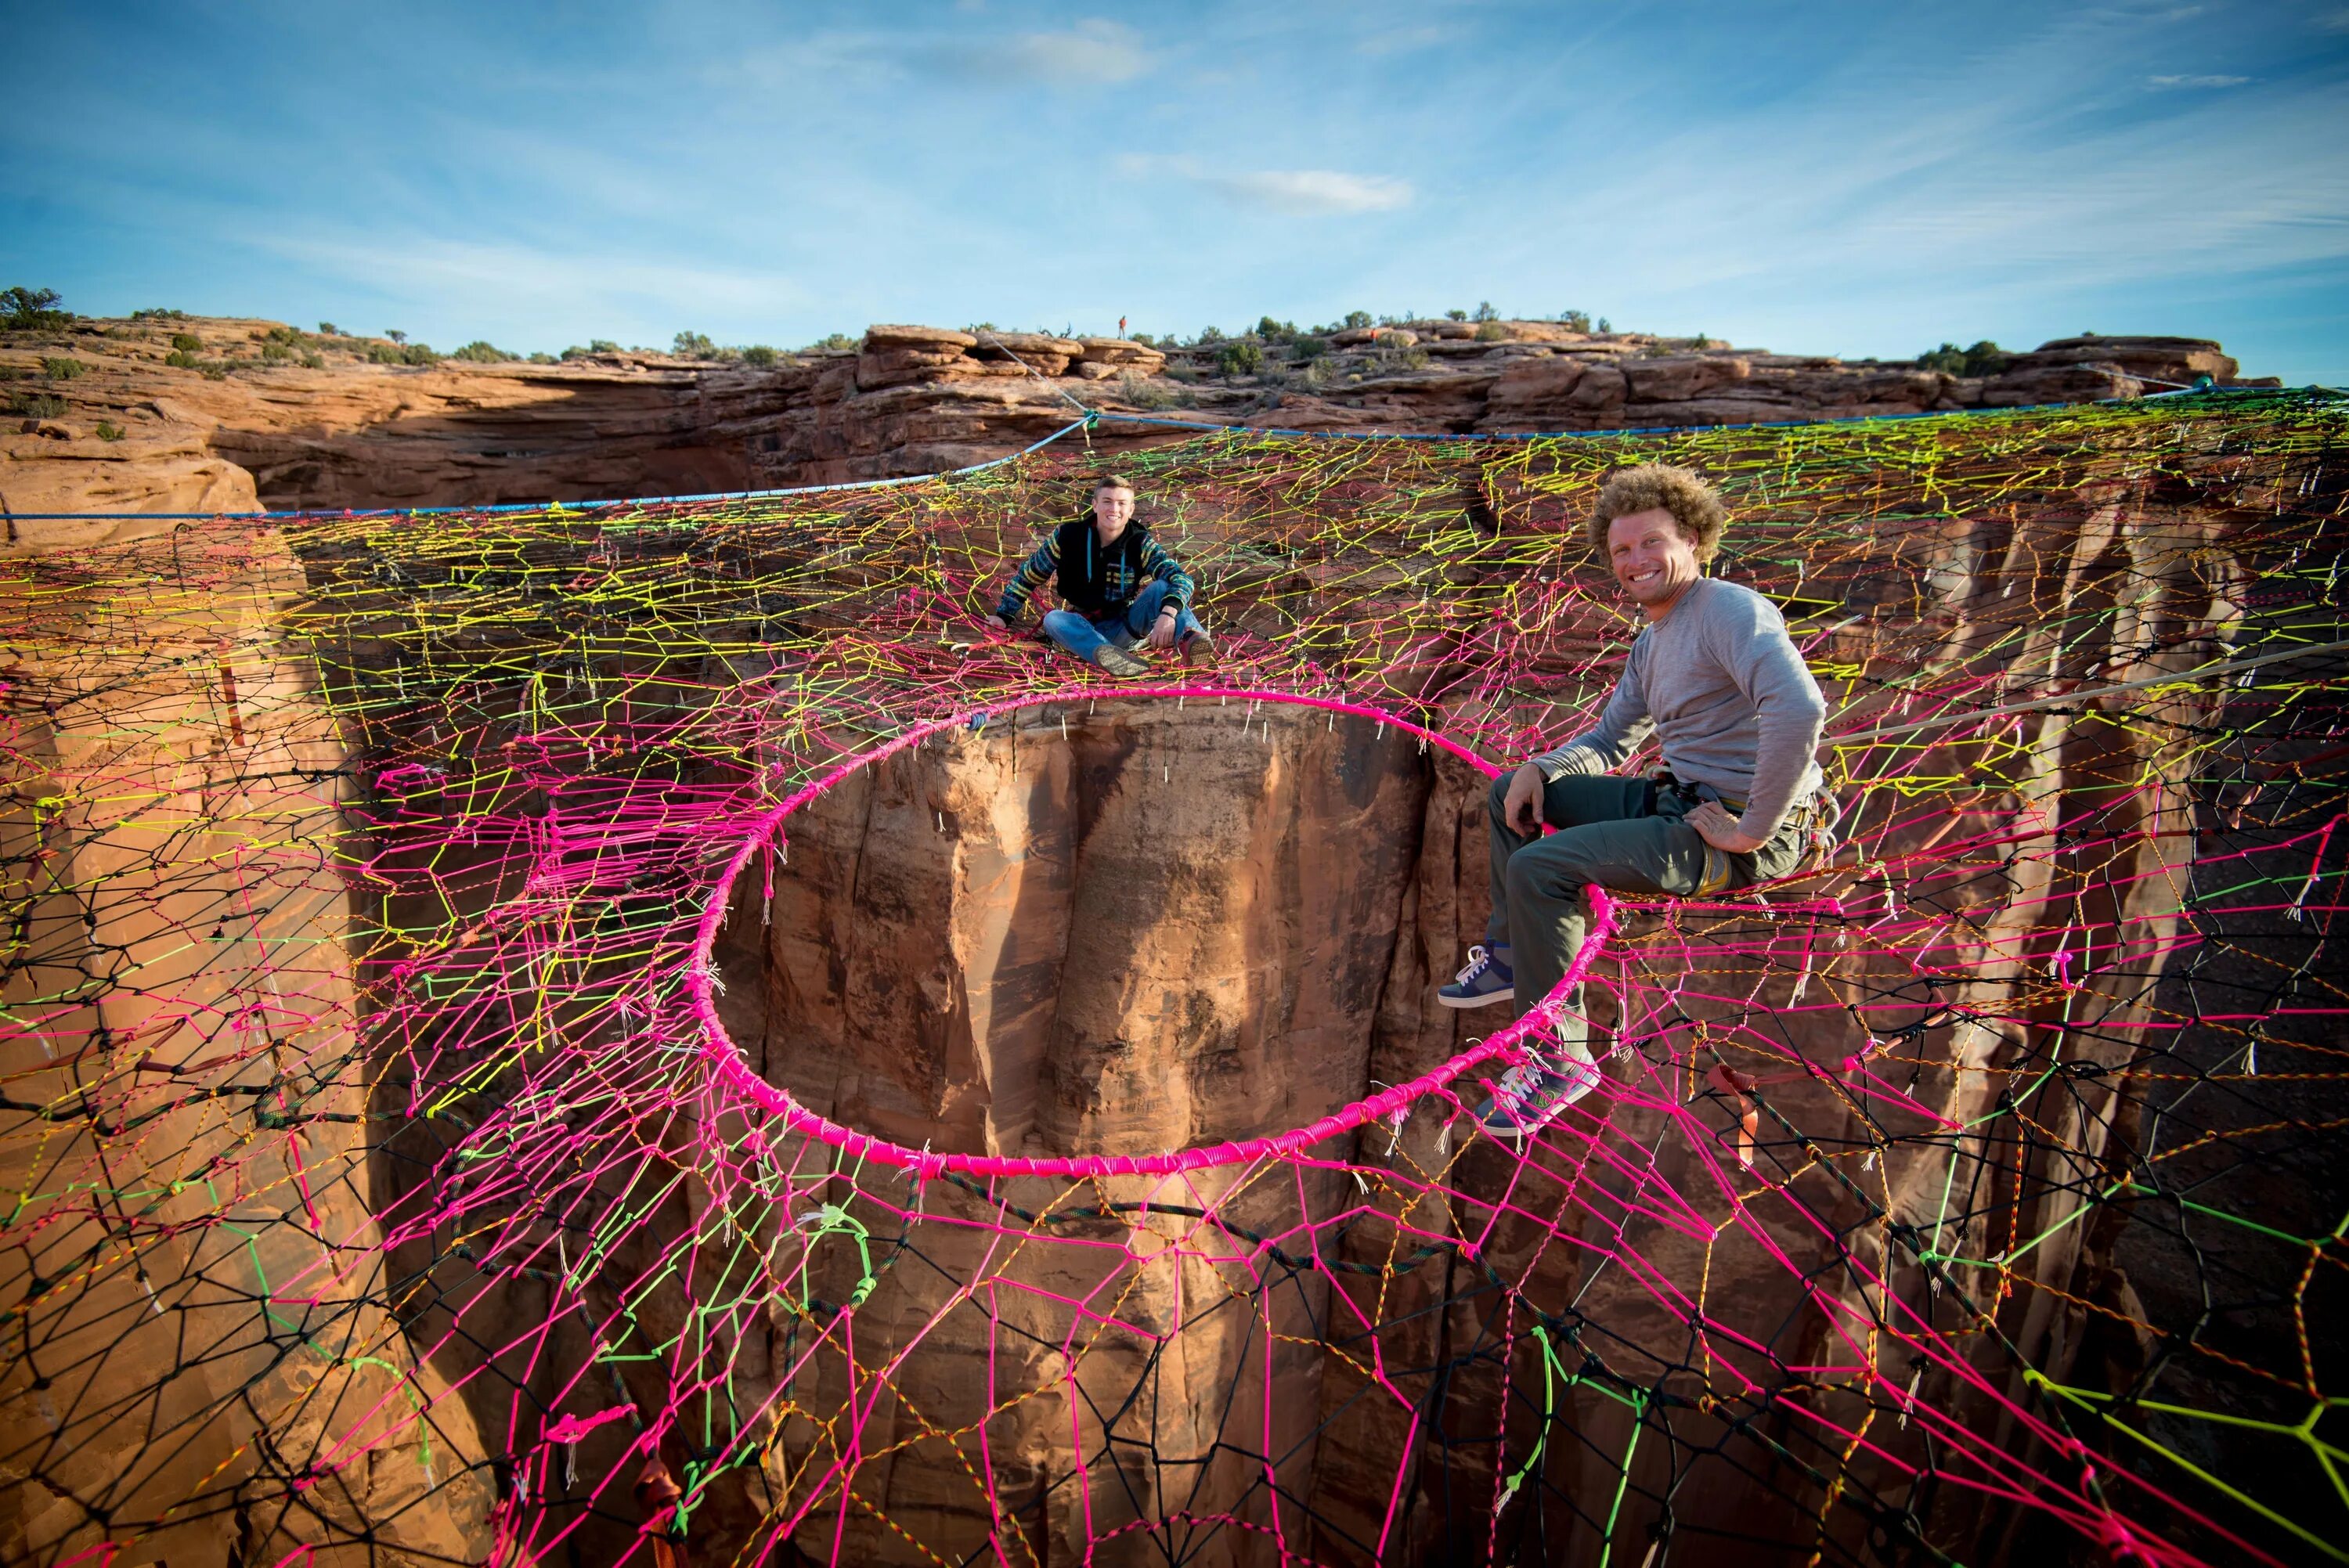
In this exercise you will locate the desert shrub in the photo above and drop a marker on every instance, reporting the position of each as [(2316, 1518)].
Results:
[(1305, 346), (328, 329), (285, 335), (402, 354), (1574, 320), (1485, 311), (760, 356), (158, 313), (180, 359), (1322, 373), (1142, 392), (1144, 339), (1984, 358), (834, 341), (1356, 318), (1391, 359), (482, 352), (314, 361), (1605, 325), (62, 370), (36, 406), (542, 357), (32, 310), (1240, 358), (602, 346), (1273, 331), (1702, 340), (1455, 315), (394, 334), (187, 342), (1491, 332), (108, 432), (695, 346), (1209, 334), (274, 352)]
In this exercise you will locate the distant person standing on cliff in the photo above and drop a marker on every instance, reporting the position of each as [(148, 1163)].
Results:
[(1739, 797), (1119, 584)]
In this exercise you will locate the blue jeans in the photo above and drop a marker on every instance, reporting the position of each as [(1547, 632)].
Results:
[(1082, 636)]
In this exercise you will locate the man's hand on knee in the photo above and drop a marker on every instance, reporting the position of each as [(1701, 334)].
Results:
[(1716, 827), (1523, 809)]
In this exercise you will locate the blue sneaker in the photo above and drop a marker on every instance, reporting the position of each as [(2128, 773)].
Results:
[(1486, 980), (1530, 1094)]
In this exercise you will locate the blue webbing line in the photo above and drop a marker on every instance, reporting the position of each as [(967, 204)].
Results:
[(1096, 416)]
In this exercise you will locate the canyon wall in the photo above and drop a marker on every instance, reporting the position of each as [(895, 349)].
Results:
[(198, 1308), (228, 430), (287, 1206)]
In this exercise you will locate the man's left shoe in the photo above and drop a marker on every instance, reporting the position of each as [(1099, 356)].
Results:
[(1484, 980), (1530, 1094), (1199, 651)]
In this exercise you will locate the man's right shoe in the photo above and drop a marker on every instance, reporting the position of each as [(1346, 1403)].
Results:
[(1199, 651), (1484, 981), (1530, 1094), (1117, 662)]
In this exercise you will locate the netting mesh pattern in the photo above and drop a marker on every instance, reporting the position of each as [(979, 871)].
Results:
[(386, 1181)]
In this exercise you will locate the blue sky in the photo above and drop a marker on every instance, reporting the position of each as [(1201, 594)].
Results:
[(1814, 177)]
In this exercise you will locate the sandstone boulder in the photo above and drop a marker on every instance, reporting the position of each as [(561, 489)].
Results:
[(1043, 354), (1529, 389), (897, 355), (1680, 376), (1120, 353), (2087, 382), (2172, 359)]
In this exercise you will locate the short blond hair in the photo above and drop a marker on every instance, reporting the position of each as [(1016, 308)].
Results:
[(1694, 504), (1112, 482)]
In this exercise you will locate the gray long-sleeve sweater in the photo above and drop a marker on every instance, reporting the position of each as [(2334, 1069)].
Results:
[(1732, 703)]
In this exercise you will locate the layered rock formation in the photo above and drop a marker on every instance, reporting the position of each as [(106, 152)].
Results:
[(175, 952), (225, 429)]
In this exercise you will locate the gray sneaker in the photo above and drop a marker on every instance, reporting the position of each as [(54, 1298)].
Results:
[(1530, 1094), (1116, 661), (1486, 980)]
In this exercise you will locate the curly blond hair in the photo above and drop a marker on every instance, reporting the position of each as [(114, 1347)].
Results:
[(1694, 504)]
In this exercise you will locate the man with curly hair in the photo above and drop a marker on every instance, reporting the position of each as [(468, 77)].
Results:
[(1737, 798)]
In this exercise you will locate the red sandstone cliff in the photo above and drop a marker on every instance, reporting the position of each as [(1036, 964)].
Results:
[(266, 416)]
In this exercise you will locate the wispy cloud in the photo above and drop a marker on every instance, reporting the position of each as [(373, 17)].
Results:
[(1091, 51), (1293, 191), (1312, 190), (2168, 84), (1403, 40), (2334, 21)]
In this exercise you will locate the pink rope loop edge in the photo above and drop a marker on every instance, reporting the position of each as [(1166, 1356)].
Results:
[(734, 1071)]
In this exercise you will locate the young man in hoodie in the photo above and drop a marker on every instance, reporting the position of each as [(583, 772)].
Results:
[(1118, 584), (1737, 799)]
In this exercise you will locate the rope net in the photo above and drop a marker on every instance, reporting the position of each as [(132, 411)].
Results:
[(414, 1155)]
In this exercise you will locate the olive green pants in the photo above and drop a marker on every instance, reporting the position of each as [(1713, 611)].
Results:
[(1625, 835)]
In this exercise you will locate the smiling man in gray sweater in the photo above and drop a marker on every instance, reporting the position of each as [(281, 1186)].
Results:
[(1738, 798)]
